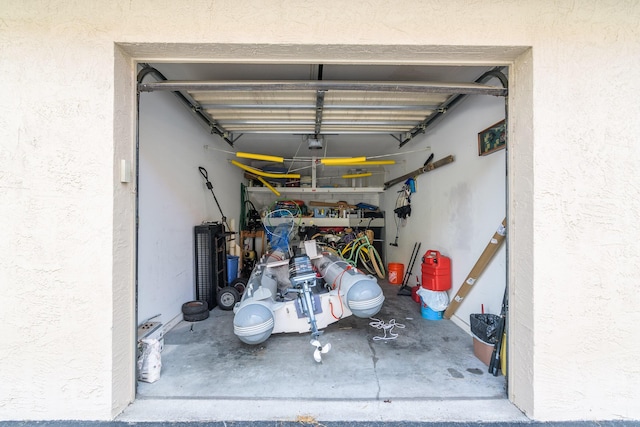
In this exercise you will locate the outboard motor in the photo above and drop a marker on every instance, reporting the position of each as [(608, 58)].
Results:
[(303, 278)]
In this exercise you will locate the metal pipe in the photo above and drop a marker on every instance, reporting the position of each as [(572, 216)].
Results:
[(192, 106), (319, 106), (307, 132), (279, 85), (312, 107), (363, 122), (495, 72)]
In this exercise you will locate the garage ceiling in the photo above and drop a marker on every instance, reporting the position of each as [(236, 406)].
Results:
[(351, 108)]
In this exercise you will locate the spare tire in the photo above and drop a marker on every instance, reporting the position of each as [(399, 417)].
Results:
[(194, 307), (196, 317)]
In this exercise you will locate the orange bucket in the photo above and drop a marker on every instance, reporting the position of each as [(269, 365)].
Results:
[(396, 273)]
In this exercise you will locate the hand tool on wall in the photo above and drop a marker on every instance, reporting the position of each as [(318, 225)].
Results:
[(486, 256), (428, 166), (403, 206), (404, 288), (395, 241)]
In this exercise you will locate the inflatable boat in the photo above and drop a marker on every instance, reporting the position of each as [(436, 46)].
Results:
[(303, 290)]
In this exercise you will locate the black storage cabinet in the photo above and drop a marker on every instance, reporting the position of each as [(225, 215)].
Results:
[(210, 261)]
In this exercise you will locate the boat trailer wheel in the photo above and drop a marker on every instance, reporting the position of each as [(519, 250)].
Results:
[(239, 284), (227, 298)]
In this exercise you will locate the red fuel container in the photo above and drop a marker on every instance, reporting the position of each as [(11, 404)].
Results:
[(436, 271)]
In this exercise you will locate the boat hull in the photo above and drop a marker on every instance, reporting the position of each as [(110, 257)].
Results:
[(272, 303)]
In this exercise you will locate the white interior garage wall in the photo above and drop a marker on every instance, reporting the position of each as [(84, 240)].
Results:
[(173, 198), (457, 207)]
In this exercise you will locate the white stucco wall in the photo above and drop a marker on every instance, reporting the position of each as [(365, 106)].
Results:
[(573, 189)]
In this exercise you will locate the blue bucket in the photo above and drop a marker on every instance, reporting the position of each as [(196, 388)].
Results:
[(232, 268), (428, 313)]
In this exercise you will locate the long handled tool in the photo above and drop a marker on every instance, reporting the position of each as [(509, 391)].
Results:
[(395, 242), (496, 362), (404, 289), (205, 175)]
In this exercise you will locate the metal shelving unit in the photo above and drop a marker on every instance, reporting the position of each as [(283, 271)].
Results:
[(210, 261), (319, 190)]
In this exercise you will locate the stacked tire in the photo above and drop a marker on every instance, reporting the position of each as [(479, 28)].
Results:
[(195, 311)]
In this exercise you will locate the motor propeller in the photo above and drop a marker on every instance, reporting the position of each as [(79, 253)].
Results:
[(320, 349)]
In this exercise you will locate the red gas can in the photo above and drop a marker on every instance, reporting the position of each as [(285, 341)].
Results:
[(436, 271)]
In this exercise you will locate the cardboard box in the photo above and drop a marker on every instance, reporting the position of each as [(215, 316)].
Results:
[(482, 351)]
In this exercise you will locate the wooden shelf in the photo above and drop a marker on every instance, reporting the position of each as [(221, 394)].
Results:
[(328, 222), (317, 190)]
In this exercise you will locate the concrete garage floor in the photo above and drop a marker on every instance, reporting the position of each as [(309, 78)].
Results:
[(428, 373)]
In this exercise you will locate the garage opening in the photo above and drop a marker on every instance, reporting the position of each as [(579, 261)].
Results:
[(455, 209)]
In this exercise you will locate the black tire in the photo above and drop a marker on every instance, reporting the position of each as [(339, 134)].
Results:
[(239, 284), (227, 298), (194, 307), (196, 317)]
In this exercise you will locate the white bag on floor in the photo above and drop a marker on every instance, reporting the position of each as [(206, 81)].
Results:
[(149, 360), (435, 300)]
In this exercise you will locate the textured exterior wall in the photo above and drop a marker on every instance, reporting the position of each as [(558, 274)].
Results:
[(585, 212), (574, 191), (123, 293), (520, 235)]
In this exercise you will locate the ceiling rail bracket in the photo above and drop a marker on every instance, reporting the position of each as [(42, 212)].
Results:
[(187, 101), (453, 101)]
